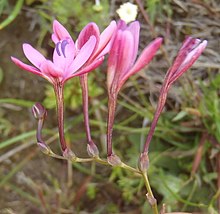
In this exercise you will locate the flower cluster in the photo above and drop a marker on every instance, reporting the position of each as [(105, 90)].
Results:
[(70, 59)]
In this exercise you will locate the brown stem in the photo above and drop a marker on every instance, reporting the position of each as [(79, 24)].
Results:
[(112, 101), (58, 89), (84, 87)]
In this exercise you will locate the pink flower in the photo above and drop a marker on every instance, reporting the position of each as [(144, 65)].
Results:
[(122, 64), (190, 51), (122, 56), (101, 46), (69, 59)]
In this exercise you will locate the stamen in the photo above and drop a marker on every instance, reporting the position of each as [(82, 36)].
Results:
[(63, 46), (57, 48)]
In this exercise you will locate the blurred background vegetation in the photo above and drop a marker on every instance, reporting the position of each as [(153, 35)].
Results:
[(185, 151)]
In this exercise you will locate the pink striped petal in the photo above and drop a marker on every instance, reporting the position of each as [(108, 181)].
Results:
[(26, 67), (30, 68), (113, 59), (35, 57), (134, 28), (186, 47), (89, 30), (189, 60), (87, 69), (83, 55), (145, 57), (105, 37), (125, 53), (49, 69), (59, 32)]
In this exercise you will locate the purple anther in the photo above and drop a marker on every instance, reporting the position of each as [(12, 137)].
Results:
[(63, 46), (57, 48)]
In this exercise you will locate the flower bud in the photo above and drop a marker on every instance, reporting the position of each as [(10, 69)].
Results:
[(143, 164), (114, 160), (92, 150), (39, 111), (68, 154)]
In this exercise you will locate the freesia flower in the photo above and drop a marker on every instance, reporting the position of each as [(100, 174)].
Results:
[(122, 64), (191, 49), (102, 47), (122, 61), (69, 60)]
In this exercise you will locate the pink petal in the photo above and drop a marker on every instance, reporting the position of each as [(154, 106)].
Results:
[(125, 53), (145, 57), (186, 47), (29, 68), (83, 55), (134, 28), (64, 56), (59, 32), (92, 66), (113, 59), (26, 67), (50, 70), (35, 57), (105, 38), (121, 25), (87, 69), (189, 60), (89, 30)]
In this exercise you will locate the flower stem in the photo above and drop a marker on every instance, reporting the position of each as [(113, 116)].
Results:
[(160, 106), (84, 87), (150, 196), (112, 101), (58, 89)]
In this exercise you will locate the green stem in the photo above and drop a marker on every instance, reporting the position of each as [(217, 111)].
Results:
[(13, 15), (150, 196), (129, 168)]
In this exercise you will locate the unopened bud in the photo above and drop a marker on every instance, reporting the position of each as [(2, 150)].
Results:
[(39, 111), (114, 160), (143, 164), (44, 148), (68, 154), (92, 150)]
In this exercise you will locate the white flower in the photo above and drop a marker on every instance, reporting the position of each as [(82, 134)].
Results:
[(127, 12)]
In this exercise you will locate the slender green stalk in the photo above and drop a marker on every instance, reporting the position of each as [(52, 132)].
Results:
[(150, 196), (13, 15), (97, 159)]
